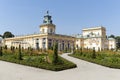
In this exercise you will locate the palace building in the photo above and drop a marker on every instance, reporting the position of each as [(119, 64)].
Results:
[(95, 37), (44, 40), (90, 37)]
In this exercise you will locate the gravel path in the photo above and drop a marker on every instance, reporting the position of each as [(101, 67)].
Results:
[(84, 71)]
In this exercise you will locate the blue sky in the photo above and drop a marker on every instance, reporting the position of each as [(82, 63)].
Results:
[(70, 16)]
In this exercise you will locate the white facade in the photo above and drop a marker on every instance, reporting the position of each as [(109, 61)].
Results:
[(112, 43), (95, 38), (47, 29)]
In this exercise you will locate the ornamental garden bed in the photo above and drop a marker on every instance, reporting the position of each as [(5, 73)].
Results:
[(39, 62), (36, 58), (105, 58)]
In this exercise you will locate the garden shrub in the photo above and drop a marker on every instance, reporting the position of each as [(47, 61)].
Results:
[(20, 53), (93, 54), (1, 51), (81, 51), (55, 54)]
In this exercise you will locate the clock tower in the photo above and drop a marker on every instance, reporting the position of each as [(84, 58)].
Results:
[(47, 26)]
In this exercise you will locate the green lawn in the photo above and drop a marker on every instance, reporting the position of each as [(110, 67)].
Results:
[(105, 58), (38, 61)]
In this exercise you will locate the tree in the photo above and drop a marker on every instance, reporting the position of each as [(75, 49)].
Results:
[(1, 35), (73, 51), (5, 47), (0, 51), (111, 36), (12, 49), (55, 55), (117, 42), (93, 54), (81, 51), (20, 54), (8, 34)]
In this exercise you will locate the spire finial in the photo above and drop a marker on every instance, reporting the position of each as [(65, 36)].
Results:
[(47, 12)]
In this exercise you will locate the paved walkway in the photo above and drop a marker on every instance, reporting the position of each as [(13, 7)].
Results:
[(84, 71)]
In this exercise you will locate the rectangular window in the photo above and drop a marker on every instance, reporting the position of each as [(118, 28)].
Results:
[(44, 40), (44, 45), (49, 40)]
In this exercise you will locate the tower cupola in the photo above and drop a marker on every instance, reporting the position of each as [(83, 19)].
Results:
[(47, 26), (47, 19)]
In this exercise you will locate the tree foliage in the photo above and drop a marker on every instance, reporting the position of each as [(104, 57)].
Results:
[(20, 54), (1, 35), (1, 51), (55, 55), (8, 34), (81, 51), (94, 53), (111, 36), (117, 42)]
